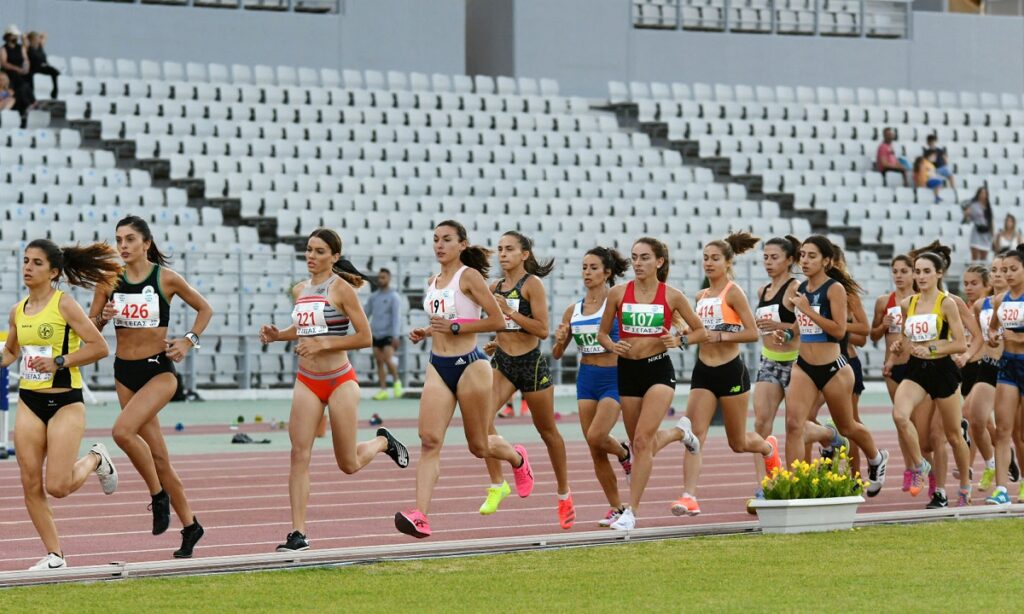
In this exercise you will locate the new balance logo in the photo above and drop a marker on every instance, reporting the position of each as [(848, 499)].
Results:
[(735, 389), (460, 362)]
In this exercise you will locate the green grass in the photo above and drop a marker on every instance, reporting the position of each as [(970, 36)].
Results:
[(963, 565)]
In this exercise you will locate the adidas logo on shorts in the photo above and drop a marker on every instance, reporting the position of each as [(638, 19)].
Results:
[(460, 361)]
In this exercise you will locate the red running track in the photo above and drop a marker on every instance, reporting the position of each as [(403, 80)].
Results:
[(242, 501)]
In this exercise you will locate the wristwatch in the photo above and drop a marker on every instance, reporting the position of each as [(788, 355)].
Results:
[(193, 339), (932, 349), (455, 328), (683, 342), (59, 361)]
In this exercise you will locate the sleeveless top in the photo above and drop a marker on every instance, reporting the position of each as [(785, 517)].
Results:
[(929, 326), (643, 319), (315, 316), (584, 329), (515, 300), (1011, 313), (142, 304), (809, 331), (772, 309), (16, 56), (450, 302), (46, 334), (892, 308), (985, 317), (716, 314)]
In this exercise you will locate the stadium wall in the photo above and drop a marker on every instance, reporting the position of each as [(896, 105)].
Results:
[(586, 43), (409, 35)]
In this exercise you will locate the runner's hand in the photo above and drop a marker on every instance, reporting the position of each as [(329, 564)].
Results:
[(269, 334), (177, 348), (109, 311), (562, 333), (418, 334)]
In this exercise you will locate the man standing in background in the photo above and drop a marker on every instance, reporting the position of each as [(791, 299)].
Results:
[(384, 308)]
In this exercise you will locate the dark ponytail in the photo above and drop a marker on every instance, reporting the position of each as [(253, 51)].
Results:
[(612, 260), (139, 225), (342, 268), (83, 266), (944, 252), (474, 256), (660, 251), (531, 265), (789, 245), (830, 251)]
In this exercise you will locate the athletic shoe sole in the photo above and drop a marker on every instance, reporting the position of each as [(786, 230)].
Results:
[(396, 449), (406, 526), (284, 549)]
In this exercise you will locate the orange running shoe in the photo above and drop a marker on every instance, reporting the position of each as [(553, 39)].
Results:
[(686, 506), (566, 512), (772, 460), (523, 408), (507, 412)]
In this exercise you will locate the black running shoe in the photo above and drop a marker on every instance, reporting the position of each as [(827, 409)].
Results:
[(1014, 469), (161, 508), (396, 449), (190, 536), (938, 501), (965, 430), (295, 542)]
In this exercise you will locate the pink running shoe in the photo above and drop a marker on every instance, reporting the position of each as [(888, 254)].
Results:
[(412, 522), (908, 480), (523, 473)]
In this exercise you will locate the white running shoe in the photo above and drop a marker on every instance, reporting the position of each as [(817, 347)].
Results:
[(626, 521), (612, 515), (48, 562), (689, 439), (105, 470)]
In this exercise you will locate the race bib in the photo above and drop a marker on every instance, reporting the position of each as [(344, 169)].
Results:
[(28, 373), (897, 319), (309, 318), (513, 304), (585, 336), (1011, 314), (985, 319), (922, 327), (808, 326), (440, 303), (709, 310), (137, 310), (643, 319), (768, 313)]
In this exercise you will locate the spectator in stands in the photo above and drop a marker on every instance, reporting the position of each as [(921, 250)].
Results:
[(886, 160), (926, 177), (978, 213), (942, 168), (384, 308), (1009, 237), (38, 63), (14, 61), (6, 93)]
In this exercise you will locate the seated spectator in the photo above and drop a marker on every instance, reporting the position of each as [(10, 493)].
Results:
[(1009, 237), (38, 62), (942, 167), (14, 62), (926, 177), (978, 213), (6, 93), (886, 161)]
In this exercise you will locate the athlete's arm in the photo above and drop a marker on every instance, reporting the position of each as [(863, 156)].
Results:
[(562, 335), (176, 284), (100, 300), (681, 305), (11, 347), (94, 347), (957, 343), (737, 299), (536, 324), (878, 324), (604, 330), (344, 298), (995, 323), (973, 328), (473, 285), (859, 327), (270, 333)]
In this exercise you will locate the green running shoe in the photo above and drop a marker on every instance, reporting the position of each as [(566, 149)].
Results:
[(494, 498), (987, 477)]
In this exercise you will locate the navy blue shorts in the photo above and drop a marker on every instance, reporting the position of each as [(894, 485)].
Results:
[(1011, 371), (594, 383), (450, 368), (858, 375)]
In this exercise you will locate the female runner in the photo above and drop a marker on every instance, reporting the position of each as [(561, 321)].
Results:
[(645, 308), (144, 373), (719, 376), (597, 389), (325, 305), (46, 330), (820, 303), (519, 365), (458, 370), (980, 375)]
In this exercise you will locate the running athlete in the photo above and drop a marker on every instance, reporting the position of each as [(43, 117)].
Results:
[(46, 331), (934, 332), (1008, 313), (857, 330), (325, 305), (777, 355), (519, 365), (144, 373), (597, 387), (820, 303), (719, 375), (980, 375), (888, 320), (458, 371), (646, 308)]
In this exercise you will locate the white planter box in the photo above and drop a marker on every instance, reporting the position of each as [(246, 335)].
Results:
[(806, 515)]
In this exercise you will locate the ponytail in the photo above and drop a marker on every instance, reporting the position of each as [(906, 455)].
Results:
[(139, 225), (531, 265), (789, 245), (612, 260), (733, 245), (343, 268), (660, 251), (836, 270), (82, 266), (474, 256)]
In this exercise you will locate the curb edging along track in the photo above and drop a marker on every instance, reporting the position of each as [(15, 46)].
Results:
[(428, 550)]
